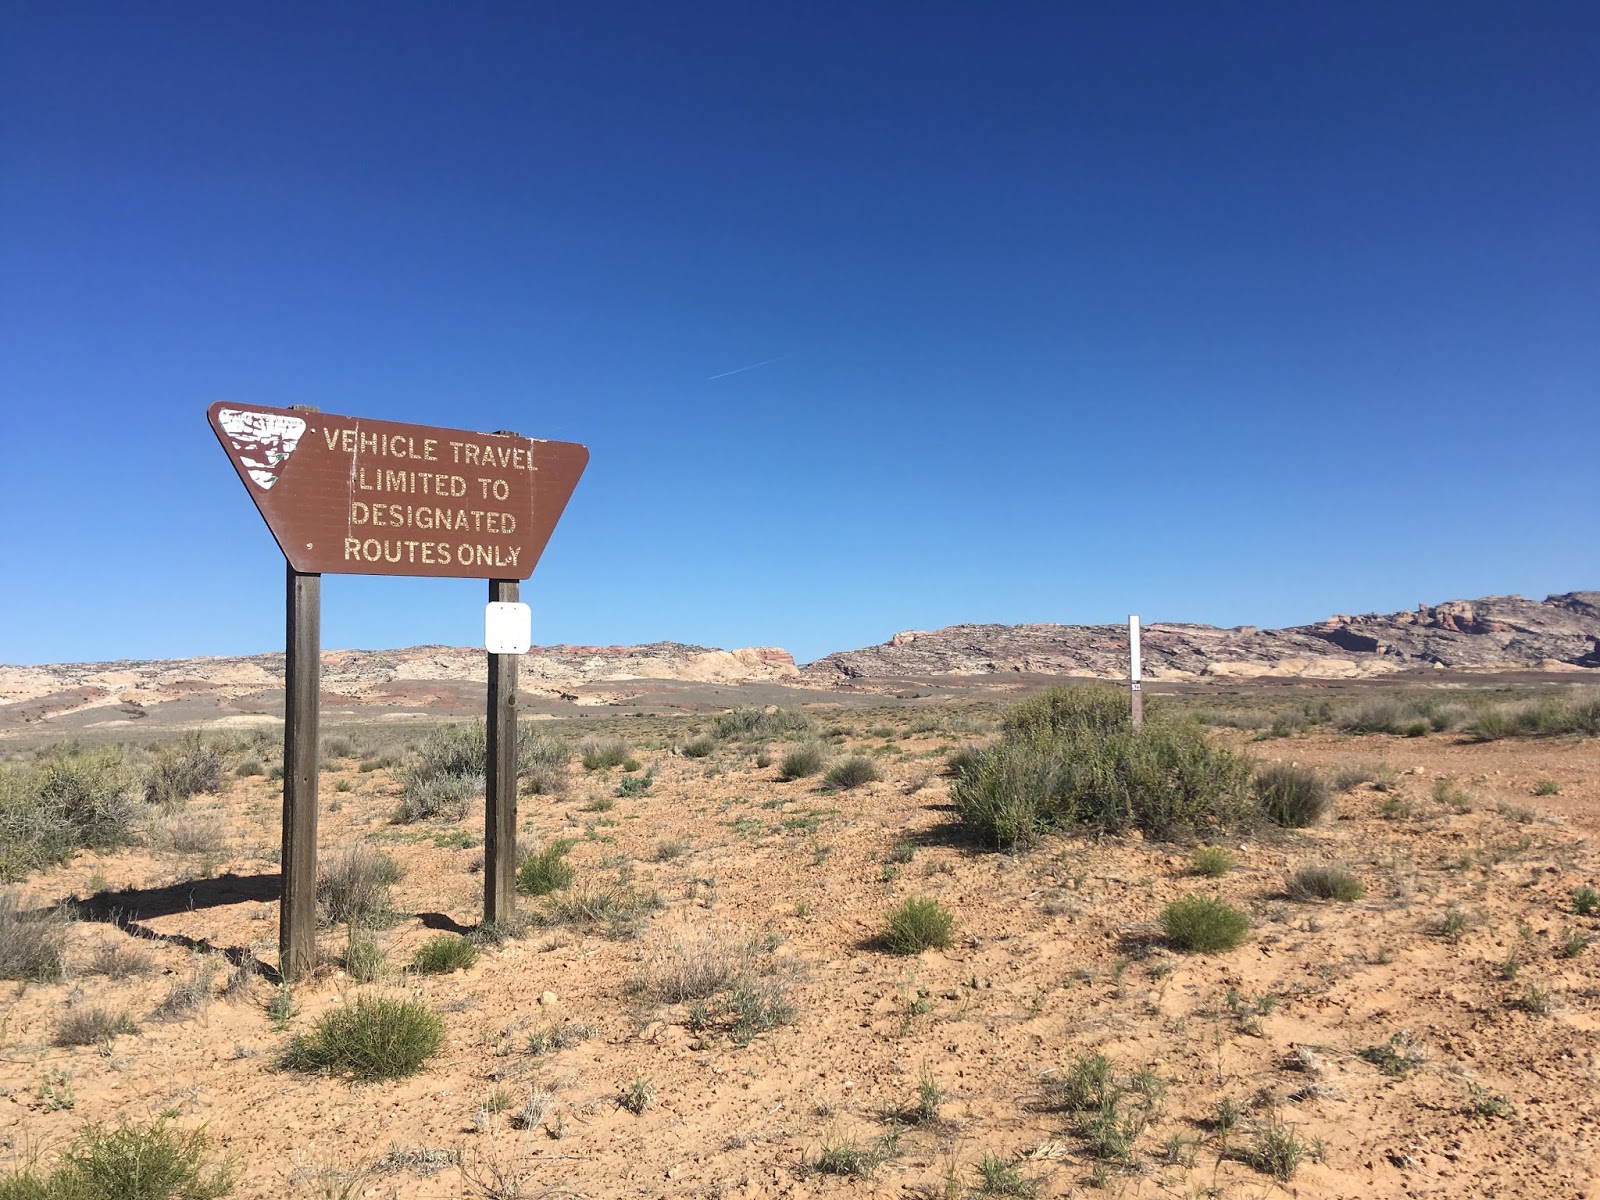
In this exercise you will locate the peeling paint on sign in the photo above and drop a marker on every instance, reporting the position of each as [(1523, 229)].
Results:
[(264, 441)]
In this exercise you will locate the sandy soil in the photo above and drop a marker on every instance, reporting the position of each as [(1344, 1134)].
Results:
[(1057, 955)]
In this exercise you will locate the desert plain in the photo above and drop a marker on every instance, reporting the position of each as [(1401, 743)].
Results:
[(708, 1006)]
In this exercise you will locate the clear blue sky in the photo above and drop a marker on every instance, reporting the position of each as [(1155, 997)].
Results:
[(1242, 313)]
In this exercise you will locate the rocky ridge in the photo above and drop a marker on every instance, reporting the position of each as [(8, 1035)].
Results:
[(1493, 633)]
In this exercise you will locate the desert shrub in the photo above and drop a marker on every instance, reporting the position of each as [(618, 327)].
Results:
[(1547, 717), (1291, 796), (1001, 1177), (638, 1095), (542, 764), (1347, 777), (119, 960), (634, 785), (439, 797), (189, 832), (446, 771), (546, 870), (801, 761), (1072, 756), (443, 953), (130, 1162), (602, 753), (371, 1038), (32, 944), (353, 886), (1204, 924), (695, 967), (184, 768), (962, 761), (337, 745), (696, 747), (249, 767), (363, 959), (190, 992), (1325, 883), (850, 773), (1275, 1150), (91, 1026), (71, 799), (1211, 861), (1375, 716), (562, 1035), (756, 1007), (1585, 902), (917, 924), (758, 723), (1547, 787), (619, 908)]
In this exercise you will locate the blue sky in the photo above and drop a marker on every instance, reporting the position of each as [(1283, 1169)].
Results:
[(1240, 313)]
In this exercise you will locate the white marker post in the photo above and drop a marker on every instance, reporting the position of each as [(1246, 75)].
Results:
[(1136, 697)]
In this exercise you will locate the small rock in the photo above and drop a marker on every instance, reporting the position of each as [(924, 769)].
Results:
[(547, 998)]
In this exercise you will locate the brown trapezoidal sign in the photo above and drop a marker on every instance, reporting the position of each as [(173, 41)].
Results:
[(346, 495)]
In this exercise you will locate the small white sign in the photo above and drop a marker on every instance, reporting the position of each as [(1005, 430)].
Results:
[(507, 628)]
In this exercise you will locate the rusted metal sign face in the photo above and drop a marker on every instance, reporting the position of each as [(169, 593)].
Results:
[(345, 495)]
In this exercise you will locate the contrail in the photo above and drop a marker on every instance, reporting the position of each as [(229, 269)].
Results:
[(763, 363)]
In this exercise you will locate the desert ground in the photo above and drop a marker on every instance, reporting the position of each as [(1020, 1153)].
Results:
[(1435, 1037)]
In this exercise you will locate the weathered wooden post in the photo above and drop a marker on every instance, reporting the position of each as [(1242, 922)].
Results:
[(1136, 696), (302, 685), (500, 778)]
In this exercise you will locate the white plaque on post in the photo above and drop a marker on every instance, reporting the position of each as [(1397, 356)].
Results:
[(507, 628)]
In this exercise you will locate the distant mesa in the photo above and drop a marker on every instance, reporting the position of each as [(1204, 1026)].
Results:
[(1495, 633)]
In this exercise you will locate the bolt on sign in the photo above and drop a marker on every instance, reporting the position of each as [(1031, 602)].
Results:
[(352, 496)]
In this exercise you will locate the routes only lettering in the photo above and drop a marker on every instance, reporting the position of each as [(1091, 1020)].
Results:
[(460, 495)]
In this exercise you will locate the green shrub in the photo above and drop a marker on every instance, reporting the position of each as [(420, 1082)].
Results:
[(801, 761), (32, 944), (636, 785), (757, 723), (1072, 756), (962, 761), (917, 924), (353, 887), (619, 908), (1211, 861), (364, 960), (1325, 883), (1547, 717), (1585, 902), (443, 953), (337, 745), (248, 768), (372, 1038), (1204, 924), (756, 1007), (697, 747), (1547, 787), (603, 753), (1276, 1151), (130, 1162), (1290, 796), (547, 870), (850, 773), (72, 799)]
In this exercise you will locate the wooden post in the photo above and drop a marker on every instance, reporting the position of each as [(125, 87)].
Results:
[(302, 687), (1136, 697), (500, 778)]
